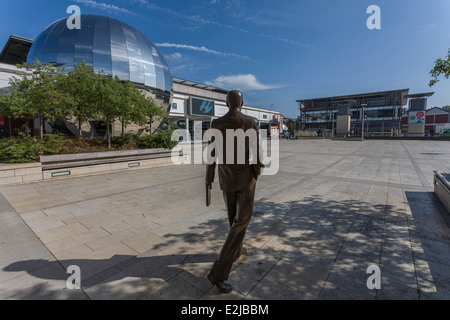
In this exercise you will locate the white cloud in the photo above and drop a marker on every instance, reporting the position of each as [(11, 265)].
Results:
[(427, 27), (105, 7), (289, 41), (173, 56), (200, 49), (242, 82), (231, 4)]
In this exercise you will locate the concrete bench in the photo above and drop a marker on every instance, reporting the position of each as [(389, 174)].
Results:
[(82, 164), (98, 158), (442, 188), (62, 165)]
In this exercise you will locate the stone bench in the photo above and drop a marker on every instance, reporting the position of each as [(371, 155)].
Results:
[(100, 162), (81, 164), (98, 158), (442, 188)]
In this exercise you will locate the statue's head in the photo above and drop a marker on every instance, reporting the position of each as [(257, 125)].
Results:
[(235, 100)]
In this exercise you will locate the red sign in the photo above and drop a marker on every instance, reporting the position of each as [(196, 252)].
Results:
[(420, 114), (2, 121)]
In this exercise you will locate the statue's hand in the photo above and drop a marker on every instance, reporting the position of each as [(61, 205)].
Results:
[(208, 193)]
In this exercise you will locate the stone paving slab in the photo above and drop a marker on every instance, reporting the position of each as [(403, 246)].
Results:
[(334, 209), (29, 270)]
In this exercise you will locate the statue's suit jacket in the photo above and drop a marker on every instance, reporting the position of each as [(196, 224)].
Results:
[(236, 177)]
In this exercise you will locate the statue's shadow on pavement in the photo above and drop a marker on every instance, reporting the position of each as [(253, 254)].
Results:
[(121, 276)]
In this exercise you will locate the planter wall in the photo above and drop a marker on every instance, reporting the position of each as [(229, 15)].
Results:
[(82, 164), (20, 173)]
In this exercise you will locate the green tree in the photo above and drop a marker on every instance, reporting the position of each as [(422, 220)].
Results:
[(147, 111), (443, 107), (14, 102), (128, 112), (441, 67), (80, 85), (291, 127), (5, 109), (108, 100), (37, 95)]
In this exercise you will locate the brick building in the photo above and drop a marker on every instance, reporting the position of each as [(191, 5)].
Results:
[(436, 120)]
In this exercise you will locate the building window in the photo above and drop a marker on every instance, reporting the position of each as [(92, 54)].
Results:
[(264, 116), (174, 106)]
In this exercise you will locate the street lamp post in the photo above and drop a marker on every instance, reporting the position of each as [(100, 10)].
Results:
[(362, 124), (332, 124)]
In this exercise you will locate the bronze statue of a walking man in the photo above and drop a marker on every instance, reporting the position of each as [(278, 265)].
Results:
[(238, 182)]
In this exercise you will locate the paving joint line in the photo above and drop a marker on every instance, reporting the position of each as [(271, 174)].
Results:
[(382, 237), (354, 180), (2, 198), (339, 251), (110, 195), (285, 253), (408, 223), (416, 167)]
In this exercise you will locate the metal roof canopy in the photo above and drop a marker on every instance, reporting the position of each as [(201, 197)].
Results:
[(15, 50), (419, 95), (353, 96), (199, 85)]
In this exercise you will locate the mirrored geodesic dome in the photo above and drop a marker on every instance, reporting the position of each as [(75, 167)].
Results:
[(109, 45)]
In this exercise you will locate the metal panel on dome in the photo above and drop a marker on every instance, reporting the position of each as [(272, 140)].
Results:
[(147, 58), (134, 56), (51, 40)]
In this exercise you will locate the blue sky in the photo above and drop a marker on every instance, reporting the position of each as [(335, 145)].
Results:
[(275, 51)]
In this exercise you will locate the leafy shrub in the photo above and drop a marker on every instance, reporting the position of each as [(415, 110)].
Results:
[(144, 142), (28, 149), (127, 141), (163, 139), (20, 150), (54, 144)]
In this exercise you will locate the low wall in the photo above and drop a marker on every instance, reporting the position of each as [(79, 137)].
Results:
[(20, 173), (83, 164), (326, 133), (306, 133), (442, 188), (436, 137)]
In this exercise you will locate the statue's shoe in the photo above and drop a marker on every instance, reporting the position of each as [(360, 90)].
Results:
[(221, 285)]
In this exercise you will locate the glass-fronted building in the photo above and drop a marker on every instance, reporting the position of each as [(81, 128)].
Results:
[(382, 111), (196, 102)]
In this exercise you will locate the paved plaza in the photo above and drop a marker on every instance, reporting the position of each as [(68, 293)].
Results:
[(334, 209)]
